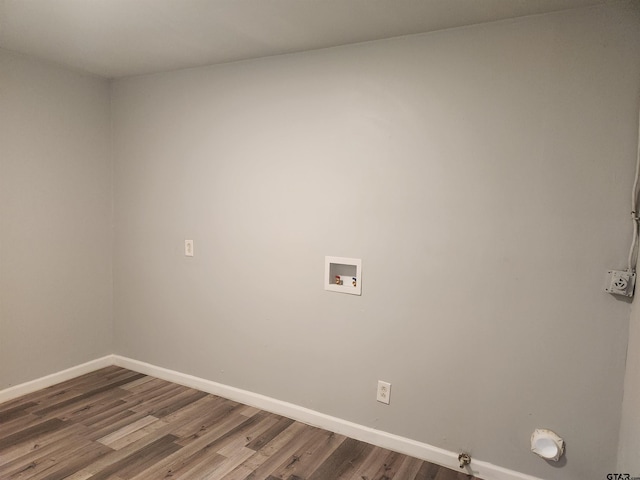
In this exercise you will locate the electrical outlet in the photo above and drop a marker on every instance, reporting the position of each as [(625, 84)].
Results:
[(188, 248), (384, 392), (620, 282)]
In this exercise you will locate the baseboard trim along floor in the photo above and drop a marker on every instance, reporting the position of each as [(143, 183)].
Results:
[(379, 438), (58, 377)]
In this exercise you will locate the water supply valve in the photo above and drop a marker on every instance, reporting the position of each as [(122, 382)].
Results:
[(464, 459)]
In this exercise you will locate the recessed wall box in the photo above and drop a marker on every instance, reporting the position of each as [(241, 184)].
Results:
[(343, 275)]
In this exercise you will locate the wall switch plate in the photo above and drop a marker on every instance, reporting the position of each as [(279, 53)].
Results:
[(620, 282), (384, 392), (188, 248)]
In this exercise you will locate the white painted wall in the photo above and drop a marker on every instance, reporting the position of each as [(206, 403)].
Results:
[(483, 176), (55, 219), (629, 448)]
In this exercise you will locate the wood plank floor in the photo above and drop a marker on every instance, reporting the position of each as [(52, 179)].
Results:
[(121, 425)]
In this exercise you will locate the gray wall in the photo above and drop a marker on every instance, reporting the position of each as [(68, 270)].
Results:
[(55, 219), (483, 176), (629, 447)]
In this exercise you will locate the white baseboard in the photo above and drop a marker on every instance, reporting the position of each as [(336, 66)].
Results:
[(58, 377), (393, 442)]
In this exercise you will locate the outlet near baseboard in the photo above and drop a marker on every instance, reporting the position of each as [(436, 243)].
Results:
[(384, 392)]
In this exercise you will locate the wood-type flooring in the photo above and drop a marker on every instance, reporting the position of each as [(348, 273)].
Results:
[(121, 425)]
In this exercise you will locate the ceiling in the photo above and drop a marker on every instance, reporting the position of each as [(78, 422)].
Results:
[(116, 38)]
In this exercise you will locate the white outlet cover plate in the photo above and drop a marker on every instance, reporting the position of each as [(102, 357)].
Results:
[(188, 248), (384, 392)]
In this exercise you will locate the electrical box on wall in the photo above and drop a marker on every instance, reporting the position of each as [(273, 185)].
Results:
[(343, 275), (620, 282)]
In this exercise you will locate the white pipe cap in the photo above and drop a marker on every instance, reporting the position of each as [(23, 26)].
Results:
[(547, 444)]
